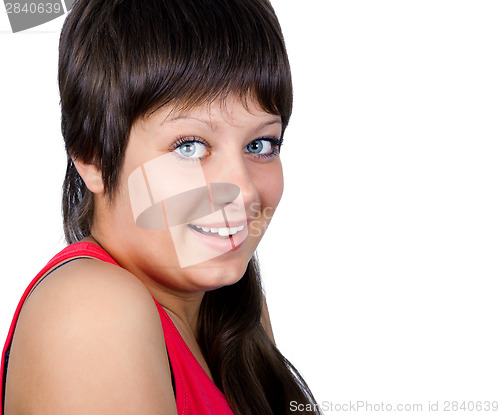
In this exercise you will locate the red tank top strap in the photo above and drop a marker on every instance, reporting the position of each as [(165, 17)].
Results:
[(78, 249)]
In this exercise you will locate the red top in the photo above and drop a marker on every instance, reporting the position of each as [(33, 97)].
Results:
[(195, 393)]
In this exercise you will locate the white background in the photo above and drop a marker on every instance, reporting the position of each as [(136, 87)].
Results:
[(382, 264)]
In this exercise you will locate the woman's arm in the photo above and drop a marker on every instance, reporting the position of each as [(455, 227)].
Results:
[(89, 341)]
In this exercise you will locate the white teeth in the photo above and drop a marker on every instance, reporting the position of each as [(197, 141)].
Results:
[(222, 231)]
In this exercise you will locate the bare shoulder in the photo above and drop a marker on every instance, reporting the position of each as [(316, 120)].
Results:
[(89, 339)]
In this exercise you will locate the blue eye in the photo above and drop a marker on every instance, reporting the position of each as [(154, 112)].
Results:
[(260, 146), (192, 149)]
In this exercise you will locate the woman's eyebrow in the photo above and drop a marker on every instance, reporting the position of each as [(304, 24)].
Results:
[(265, 124), (213, 125), (271, 122), (180, 117)]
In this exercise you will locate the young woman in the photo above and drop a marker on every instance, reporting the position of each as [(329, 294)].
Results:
[(173, 114)]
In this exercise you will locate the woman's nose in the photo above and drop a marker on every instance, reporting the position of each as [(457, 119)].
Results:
[(231, 182)]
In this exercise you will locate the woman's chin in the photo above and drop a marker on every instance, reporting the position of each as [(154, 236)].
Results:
[(216, 273)]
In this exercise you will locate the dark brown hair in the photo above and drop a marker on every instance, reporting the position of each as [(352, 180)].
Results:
[(123, 59)]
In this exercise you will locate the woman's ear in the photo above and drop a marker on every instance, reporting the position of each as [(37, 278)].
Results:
[(91, 175)]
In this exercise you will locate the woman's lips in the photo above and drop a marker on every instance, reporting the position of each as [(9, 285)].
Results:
[(220, 238)]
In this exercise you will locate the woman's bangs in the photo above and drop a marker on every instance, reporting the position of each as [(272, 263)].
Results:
[(192, 58)]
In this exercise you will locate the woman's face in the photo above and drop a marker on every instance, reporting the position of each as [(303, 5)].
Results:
[(196, 193)]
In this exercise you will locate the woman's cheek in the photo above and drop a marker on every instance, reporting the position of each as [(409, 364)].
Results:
[(270, 191)]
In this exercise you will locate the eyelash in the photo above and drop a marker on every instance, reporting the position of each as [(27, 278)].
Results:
[(189, 139), (276, 144), (185, 139)]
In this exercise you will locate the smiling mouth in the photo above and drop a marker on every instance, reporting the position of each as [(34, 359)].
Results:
[(223, 233)]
